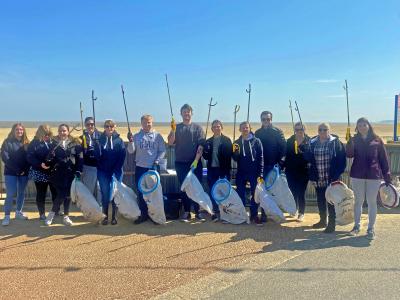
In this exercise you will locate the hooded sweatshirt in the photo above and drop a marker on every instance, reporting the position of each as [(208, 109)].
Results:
[(250, 156), (91, 148), (13, 154), (112, 153)]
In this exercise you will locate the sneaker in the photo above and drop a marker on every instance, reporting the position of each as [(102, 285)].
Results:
[(114, 222), (59, 213), (355, 231), (370, 234), (257, 221), (300, 218), (6, 220), (330, 228), (105, 221), (319, 225), (200, 217), (215, 217), (185, 217), (67, 221), (140, 220), (263, 218), (19, 215), (42, 217), (49, 218)]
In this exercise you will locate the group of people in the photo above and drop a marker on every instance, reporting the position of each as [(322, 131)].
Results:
[(99, 156)]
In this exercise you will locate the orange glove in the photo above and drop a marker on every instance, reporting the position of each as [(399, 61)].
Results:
[(173, 125)]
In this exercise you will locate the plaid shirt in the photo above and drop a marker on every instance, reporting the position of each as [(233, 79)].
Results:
[(323, 155)]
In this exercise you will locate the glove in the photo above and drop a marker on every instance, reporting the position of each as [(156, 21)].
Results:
[(388, 181), (260, 180), (156, 166), (130, 137), (173, 125), (235, 148), (78, 175), (194, 165)]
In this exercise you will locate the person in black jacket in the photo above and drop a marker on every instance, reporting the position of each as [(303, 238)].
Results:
[(248, 153), (65, 162), (327, 157), (218, 153), (38, 151), (296, 168), (13, 154)]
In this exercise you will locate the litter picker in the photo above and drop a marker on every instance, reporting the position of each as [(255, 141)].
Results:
[(248, 91), (296, 146), (236, 110), (209, 111), (348, 111), (126, 111), (169, 98), (83, 131), (94, 115), (298, 112)]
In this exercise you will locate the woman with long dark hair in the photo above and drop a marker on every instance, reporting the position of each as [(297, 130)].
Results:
[(13, 154), (370, 167)]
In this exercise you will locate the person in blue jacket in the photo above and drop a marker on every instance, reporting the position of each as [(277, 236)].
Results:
[(248, 153), (16, 167), (110, 164)]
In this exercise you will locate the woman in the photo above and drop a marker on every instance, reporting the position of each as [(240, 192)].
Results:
[(328, 161), (38, 150), (296, 168), (218, 153), (65, 161), (370, 167), (13, 154), (110, 164)]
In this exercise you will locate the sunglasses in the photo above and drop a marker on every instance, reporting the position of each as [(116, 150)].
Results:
[(89, 124), (322, 129), (108, 126)]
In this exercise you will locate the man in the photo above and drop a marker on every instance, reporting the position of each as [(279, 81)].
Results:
[(91, 154), (149, 146), (274, 146), (248, 153), (188, 138)]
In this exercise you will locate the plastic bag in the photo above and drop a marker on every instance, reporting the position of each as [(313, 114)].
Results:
[(388, 196), (230, 205), (271, 209), (86, 202), (150, 186), (194, 190), (338, 194), (278, 189), (126, 200)]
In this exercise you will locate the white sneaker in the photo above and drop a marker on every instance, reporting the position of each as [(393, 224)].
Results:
[(185, 217), (67, 221), (6, 220), (19, 215), (49, 218), (300, 218)]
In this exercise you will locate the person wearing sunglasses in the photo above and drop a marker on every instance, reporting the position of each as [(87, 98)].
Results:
[(327, 157), (370, 166), (110, 164), (296, 168), (91, 154)]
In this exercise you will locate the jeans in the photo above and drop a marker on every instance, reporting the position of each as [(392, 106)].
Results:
[(322, 204), (15, 186), (241, 180), (41, 190), (365, 189), (298, 188), (213, 174), (106, 185), (182, 169), (139, 171)]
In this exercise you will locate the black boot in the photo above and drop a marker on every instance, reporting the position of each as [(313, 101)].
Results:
[(113, 216), (321, 223), (105, 212), (331, 227)]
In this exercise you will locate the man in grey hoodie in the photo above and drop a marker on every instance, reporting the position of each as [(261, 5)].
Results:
[(149, 146)]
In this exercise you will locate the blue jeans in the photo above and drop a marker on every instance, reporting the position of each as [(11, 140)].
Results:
[(105, 182), (15, 186)]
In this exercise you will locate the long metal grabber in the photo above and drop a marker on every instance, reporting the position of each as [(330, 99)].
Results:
[(296, 146), (169, 97), (248, 91), (346, 88), (83, 131), (126, 111), (298, 113), (236, 110), (94, 115), (211, 104)]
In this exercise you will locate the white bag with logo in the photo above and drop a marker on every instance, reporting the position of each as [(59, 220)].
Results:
[(150, 186), (194, 190), (126, 200), (266, 202), (230, 205), (86, 202), (338, 194)]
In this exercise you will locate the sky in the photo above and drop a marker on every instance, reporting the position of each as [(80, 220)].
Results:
[(54, 53)]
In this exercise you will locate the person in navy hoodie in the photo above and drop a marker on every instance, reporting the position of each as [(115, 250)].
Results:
[(38, 151), (65, 162), (248, 153), (16, 167), (110, 164)]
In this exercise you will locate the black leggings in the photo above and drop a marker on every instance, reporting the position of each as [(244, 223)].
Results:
[(41, 191), (62, 197), (298, 188)]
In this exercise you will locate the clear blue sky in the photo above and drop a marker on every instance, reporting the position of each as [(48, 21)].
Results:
[(53, 53)]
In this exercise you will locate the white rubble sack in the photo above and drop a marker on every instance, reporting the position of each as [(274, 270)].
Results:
[(338, 194), (126, 200), (266, 202)]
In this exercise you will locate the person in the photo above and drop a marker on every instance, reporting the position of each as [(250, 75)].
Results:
[(274, 146), (327, 157), (296, 167), (38, 151), (110, 164), (188, 138), (149, 146), (16, 166), (370, 166), (248, 153), (218, 154), (91, 154), (65, 162)]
